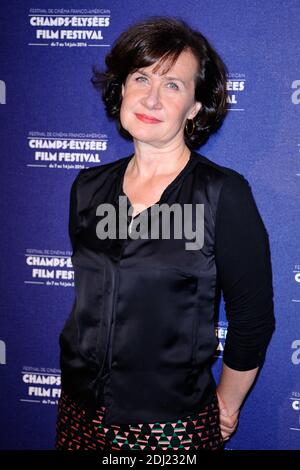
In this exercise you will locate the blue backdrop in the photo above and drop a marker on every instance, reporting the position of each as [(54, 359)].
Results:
[(53, 123)]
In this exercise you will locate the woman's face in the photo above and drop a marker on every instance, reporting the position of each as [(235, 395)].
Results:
[(155, 107)]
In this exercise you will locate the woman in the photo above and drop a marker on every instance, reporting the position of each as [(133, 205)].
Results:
[(137, 347)]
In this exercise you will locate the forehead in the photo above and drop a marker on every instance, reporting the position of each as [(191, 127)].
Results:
[(184, 67)]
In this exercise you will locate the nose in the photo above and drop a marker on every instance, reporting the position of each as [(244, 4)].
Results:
[(151, 99)]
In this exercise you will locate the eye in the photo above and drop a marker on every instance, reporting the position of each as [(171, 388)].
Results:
[(175, 87), (140, 77), (172, 85)]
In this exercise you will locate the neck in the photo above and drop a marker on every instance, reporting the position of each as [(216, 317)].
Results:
[(148, 162)]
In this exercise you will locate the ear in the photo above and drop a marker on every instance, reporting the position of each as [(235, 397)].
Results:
[(195, 110), (122, 91)]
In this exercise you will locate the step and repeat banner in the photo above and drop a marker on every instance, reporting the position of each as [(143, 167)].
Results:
[(53, 124)]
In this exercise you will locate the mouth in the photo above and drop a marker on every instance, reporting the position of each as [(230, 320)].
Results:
[(147, 119)]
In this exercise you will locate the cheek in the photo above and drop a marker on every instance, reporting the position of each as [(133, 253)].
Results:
[(123, 113), (127, 108), (128, 101), (177, 110)]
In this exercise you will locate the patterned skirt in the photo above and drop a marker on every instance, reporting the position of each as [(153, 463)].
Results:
[(78, 430)]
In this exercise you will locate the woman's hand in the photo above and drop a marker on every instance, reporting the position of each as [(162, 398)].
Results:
[(228, 422), (231, 392)]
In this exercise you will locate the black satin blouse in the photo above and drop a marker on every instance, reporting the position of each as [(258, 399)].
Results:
[(140, 336)]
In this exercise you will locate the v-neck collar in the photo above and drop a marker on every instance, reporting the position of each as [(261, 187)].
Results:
[(185, 170)]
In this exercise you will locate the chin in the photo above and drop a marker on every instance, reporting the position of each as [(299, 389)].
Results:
[(141, 134)]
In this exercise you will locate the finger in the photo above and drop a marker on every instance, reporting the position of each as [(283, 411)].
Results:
[(227, 429), (227, 432), (228, 426), (225, 436), (229, 422)]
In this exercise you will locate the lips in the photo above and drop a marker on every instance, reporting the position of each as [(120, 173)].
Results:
[(148, 119)]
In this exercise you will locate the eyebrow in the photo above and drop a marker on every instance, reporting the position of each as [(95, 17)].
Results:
[(165, 76)]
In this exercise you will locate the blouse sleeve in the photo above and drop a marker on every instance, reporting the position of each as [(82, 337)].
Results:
[(73, 214), (245, 275)]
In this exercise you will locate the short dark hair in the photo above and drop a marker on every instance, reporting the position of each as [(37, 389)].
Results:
[(162, 39)]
